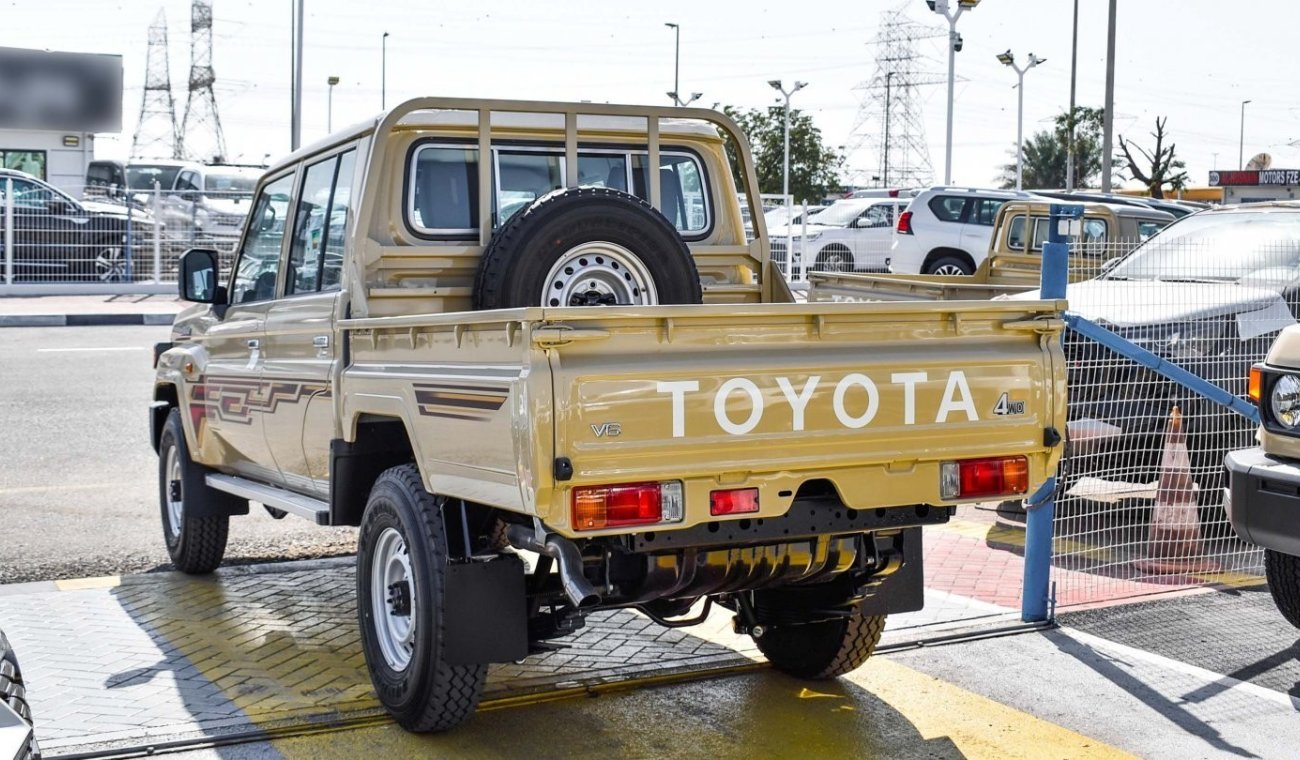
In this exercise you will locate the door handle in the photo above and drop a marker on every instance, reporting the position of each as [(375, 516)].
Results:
[(321, 341), (254, 344)]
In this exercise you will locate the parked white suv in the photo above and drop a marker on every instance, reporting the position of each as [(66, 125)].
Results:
[(946, 230), (849, 235)]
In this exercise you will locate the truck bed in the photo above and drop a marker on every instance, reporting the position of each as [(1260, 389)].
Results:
[(516, 407)]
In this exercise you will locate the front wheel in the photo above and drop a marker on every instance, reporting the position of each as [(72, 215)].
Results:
[(835, 261), (824, 649), (950, 265), (195, 532), (1283, 573), (402, 561)]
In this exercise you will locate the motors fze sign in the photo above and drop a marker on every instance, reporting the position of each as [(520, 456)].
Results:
[(1255, 178)]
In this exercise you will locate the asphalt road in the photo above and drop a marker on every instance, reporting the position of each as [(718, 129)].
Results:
[(78, 478)]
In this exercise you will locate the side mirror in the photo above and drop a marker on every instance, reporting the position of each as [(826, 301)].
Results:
[(1109, 265), (198, 276)]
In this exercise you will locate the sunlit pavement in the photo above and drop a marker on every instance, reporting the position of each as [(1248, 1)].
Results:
[(157, 659)]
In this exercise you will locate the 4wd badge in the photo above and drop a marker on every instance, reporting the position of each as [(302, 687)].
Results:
[(1006, 406)]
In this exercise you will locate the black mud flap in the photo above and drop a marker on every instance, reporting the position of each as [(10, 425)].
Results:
[(486, 612), (904, 589)]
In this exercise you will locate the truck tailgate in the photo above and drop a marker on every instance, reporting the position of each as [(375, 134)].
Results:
[(829, 286), (869, 397)]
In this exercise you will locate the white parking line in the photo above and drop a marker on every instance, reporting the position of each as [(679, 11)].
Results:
[(91, 348)]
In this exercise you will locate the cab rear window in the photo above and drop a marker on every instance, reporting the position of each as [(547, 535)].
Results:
[(442, 184)]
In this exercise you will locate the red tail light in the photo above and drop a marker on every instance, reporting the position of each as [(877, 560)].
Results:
[(905, 223), (737, 501), (617, 506), (978, 478)]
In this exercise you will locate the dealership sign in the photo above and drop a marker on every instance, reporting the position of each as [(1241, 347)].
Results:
[(68, 92), (1255, 178)]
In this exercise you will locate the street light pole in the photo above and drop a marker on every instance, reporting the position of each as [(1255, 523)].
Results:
[(383, 71), (885, 172), (943, 8), (1241, 142), (1007, 59), (329, 110), (1108, 115), (677, 59), (785, 166), (1069, 137), (295, 127)]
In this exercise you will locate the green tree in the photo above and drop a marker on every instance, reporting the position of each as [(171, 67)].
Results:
[(814, 167), (1159, 167), (1046, 152)]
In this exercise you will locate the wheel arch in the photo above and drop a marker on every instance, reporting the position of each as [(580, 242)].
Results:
[(942, 251), (377, 443)]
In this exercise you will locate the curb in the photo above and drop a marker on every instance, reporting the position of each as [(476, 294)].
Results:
[(83, 320)]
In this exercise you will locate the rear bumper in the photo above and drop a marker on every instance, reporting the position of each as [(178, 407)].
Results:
[(1264, 503)]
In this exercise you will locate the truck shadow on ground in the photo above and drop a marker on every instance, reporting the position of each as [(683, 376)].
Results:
[(264, 651)]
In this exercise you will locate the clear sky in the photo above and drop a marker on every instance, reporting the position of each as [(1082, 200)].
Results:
[(1193, 61)]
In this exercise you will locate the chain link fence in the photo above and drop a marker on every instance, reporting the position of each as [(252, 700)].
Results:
[(98, 236), (1140, 504)]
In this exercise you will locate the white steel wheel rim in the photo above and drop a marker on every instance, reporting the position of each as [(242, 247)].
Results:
[(110, 266), (599, 273), (837, 261), (175, 497), (950, 269), (394, 627)]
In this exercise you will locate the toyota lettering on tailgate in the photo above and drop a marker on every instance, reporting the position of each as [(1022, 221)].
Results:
[(855, 400)]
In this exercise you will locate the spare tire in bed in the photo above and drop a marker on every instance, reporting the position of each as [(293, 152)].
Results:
[(586, 246)]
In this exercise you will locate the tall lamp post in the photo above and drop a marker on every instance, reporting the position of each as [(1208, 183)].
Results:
[(785, 166), (694, 97), (944, 8), (677, 60), (1241, 139), (1007, 59), (329, 109), (383, 71)]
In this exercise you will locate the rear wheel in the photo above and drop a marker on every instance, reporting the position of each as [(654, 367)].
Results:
[(1283, 573), (824, 649), (195, 533), (402, 559), (834, 260)]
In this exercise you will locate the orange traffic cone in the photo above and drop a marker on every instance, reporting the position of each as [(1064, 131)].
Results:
[(1174, 536)]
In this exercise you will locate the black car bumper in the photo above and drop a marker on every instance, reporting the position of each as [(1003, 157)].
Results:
[(1264, 503)]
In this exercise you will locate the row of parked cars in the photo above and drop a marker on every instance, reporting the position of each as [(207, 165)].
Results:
[(124, 207), (943, 230)]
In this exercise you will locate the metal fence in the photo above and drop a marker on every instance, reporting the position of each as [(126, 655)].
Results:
[(1140, 496), (105, 237)]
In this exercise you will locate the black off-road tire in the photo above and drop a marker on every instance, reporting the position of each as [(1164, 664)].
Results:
[(1283, 573), (429, 694), (953, 261), (824, 649), (513, 270), (13, 692), (199, 545)]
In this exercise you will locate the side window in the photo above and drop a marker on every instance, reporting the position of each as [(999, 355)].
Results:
[(878, 216), (309, 227), (523, 177), (29, 195), (681, 187), (947, 208), (1147, 229), (985, 211), (1041, 228), (259, 256), (187, 180), (443, 193), (1016, 233), (1094, 230), (340, 221)]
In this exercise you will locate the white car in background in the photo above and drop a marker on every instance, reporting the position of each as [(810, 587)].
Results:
[(947, 230), (849, 235)]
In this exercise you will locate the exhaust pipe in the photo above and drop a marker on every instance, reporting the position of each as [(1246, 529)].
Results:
[(567, 559)]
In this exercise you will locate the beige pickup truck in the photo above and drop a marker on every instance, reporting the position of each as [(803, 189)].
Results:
[(496, 331), (1106, 232)]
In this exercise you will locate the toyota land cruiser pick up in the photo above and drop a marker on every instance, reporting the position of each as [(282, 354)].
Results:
[(477, 328)]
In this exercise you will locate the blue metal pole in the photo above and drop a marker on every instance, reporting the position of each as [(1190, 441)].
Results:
[(1041, 507)]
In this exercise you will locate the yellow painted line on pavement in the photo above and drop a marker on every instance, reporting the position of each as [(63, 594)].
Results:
[(884, 709), (81, 584)]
